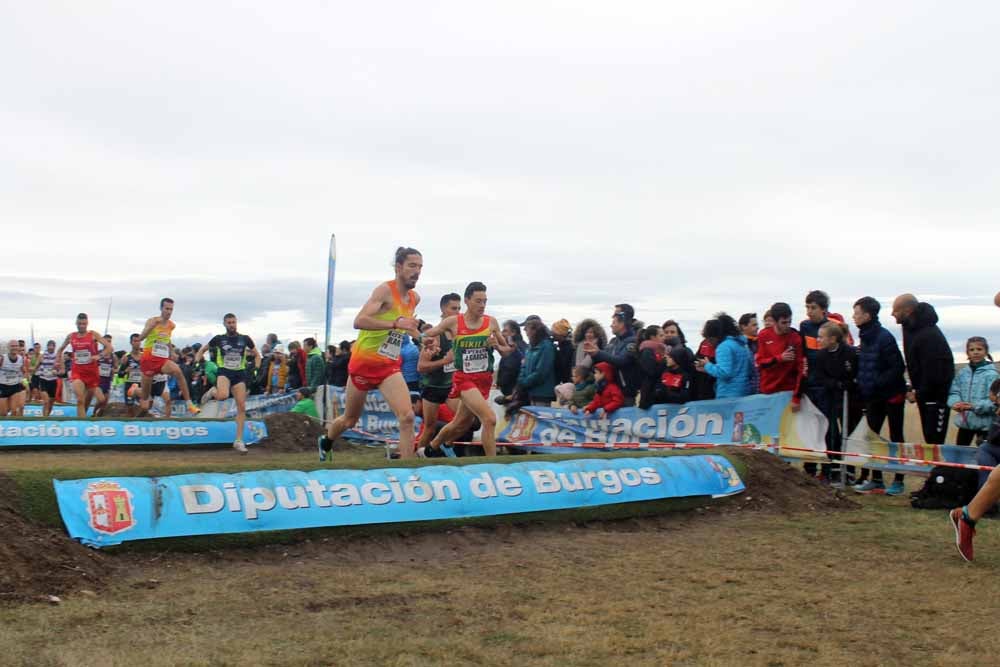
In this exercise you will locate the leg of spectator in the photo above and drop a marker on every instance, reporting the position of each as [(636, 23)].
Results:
[(965, 437), (896, 414)]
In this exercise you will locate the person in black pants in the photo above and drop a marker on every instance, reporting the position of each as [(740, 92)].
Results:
[(930, 363)]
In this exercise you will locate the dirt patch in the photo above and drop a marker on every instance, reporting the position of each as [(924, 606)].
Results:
[(775, 486), (37, 562), (288, 432)]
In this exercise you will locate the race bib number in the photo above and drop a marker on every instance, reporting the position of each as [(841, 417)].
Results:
[(9, 377), (476, 360), (104, 370), (449, 367), (232, 361), (135, 375), (393, 345), (82, 357), (161, 350)]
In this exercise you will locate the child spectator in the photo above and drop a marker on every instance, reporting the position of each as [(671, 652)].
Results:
[(305, 403), (731, 368), (679, 374), (970, 393), (609, 396), (584, 388), (989, 451), (836, 372), (780, 355)]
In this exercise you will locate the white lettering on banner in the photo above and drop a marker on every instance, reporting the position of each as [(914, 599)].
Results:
[(171, 432), (39, 431), (253, 501), (624, 429)]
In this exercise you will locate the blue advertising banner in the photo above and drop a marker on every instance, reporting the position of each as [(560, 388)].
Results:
[(758, 419), (58, 410), (107, 511), (20, 433)]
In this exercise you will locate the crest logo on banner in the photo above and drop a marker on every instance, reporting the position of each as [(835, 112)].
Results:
[(109, 507)]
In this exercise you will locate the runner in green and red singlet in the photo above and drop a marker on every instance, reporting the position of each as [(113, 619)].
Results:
[(474, 337), (377, 357)]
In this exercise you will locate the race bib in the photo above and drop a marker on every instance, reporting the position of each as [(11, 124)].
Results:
[(449, 367), (135, 375), (672, 380), (82, 357), (46, 373), (104, 370), (232, 361), (476, 360), (161, 350), (9, 377), (393, 345)]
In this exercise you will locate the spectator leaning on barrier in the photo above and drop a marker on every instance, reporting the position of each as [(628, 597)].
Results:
[(336, 367), (817, 305), (562, 338), (588, 331), (970, 393), (652, 365), (609, 396), (780, 355), (305, 403), (703, 384), (296, 365), (315, 366), (621, 352), (276, 374), (584, 388), (538, 374), (930, 363), (731, 368), (881, 384)]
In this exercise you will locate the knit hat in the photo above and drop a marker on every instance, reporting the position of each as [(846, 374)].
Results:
[(561, 327)]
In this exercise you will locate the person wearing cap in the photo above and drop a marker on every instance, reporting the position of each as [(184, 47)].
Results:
[(306, 404), (562, 337), (621, 352)]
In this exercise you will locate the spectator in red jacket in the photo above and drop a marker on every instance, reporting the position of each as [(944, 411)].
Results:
[(609, 395), (781, 356)]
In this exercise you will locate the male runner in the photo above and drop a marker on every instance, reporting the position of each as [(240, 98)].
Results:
[(156, 356), (437, 365), (13, 370), (105, 371), (34, 359), (131, 369), (474, 337), (84, 375), (230, 351), (377, 359), (47, 379)]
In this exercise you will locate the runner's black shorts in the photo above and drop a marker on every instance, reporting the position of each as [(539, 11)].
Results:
[(48, 386), (234, 377), (436, 395), (158, 389), (34, 381), (8, 390)]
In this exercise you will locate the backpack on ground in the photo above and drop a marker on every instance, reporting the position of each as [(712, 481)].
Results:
[(946, 488)]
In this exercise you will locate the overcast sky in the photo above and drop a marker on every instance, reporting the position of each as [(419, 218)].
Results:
[(685, 157)]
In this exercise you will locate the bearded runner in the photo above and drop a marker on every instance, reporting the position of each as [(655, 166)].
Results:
[(230, 351), (84, 374), (156, 356), (377, 358)]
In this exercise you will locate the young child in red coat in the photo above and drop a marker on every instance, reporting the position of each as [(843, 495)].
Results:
[(609, 395)]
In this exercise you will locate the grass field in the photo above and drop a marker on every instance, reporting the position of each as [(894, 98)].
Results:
[(879, 585)]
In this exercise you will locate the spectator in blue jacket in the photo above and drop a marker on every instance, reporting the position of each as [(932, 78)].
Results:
[(538, 374), (881, 385), (970, 393), (622, 352), (731, 368)]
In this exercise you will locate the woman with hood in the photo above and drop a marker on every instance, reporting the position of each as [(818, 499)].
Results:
[(731, 368)]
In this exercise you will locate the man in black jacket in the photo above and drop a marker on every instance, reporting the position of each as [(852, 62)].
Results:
[(622, 352), (930, 363)]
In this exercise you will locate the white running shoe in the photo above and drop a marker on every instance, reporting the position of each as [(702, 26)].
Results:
[(239, 446)]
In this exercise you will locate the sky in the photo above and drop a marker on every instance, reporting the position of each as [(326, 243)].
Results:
[(683, 157)]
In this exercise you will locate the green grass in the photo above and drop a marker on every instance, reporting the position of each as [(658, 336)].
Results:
[(38, 501)]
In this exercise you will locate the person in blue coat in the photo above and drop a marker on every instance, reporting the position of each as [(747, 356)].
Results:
[(538, 374), (731, 368), (970, 393)]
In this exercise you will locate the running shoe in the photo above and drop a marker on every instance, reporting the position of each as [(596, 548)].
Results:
[(322, 452), (193, 409), (448, 451), (870, 488), (239, 446), (895, 489), (965, 531), (134, 391)]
